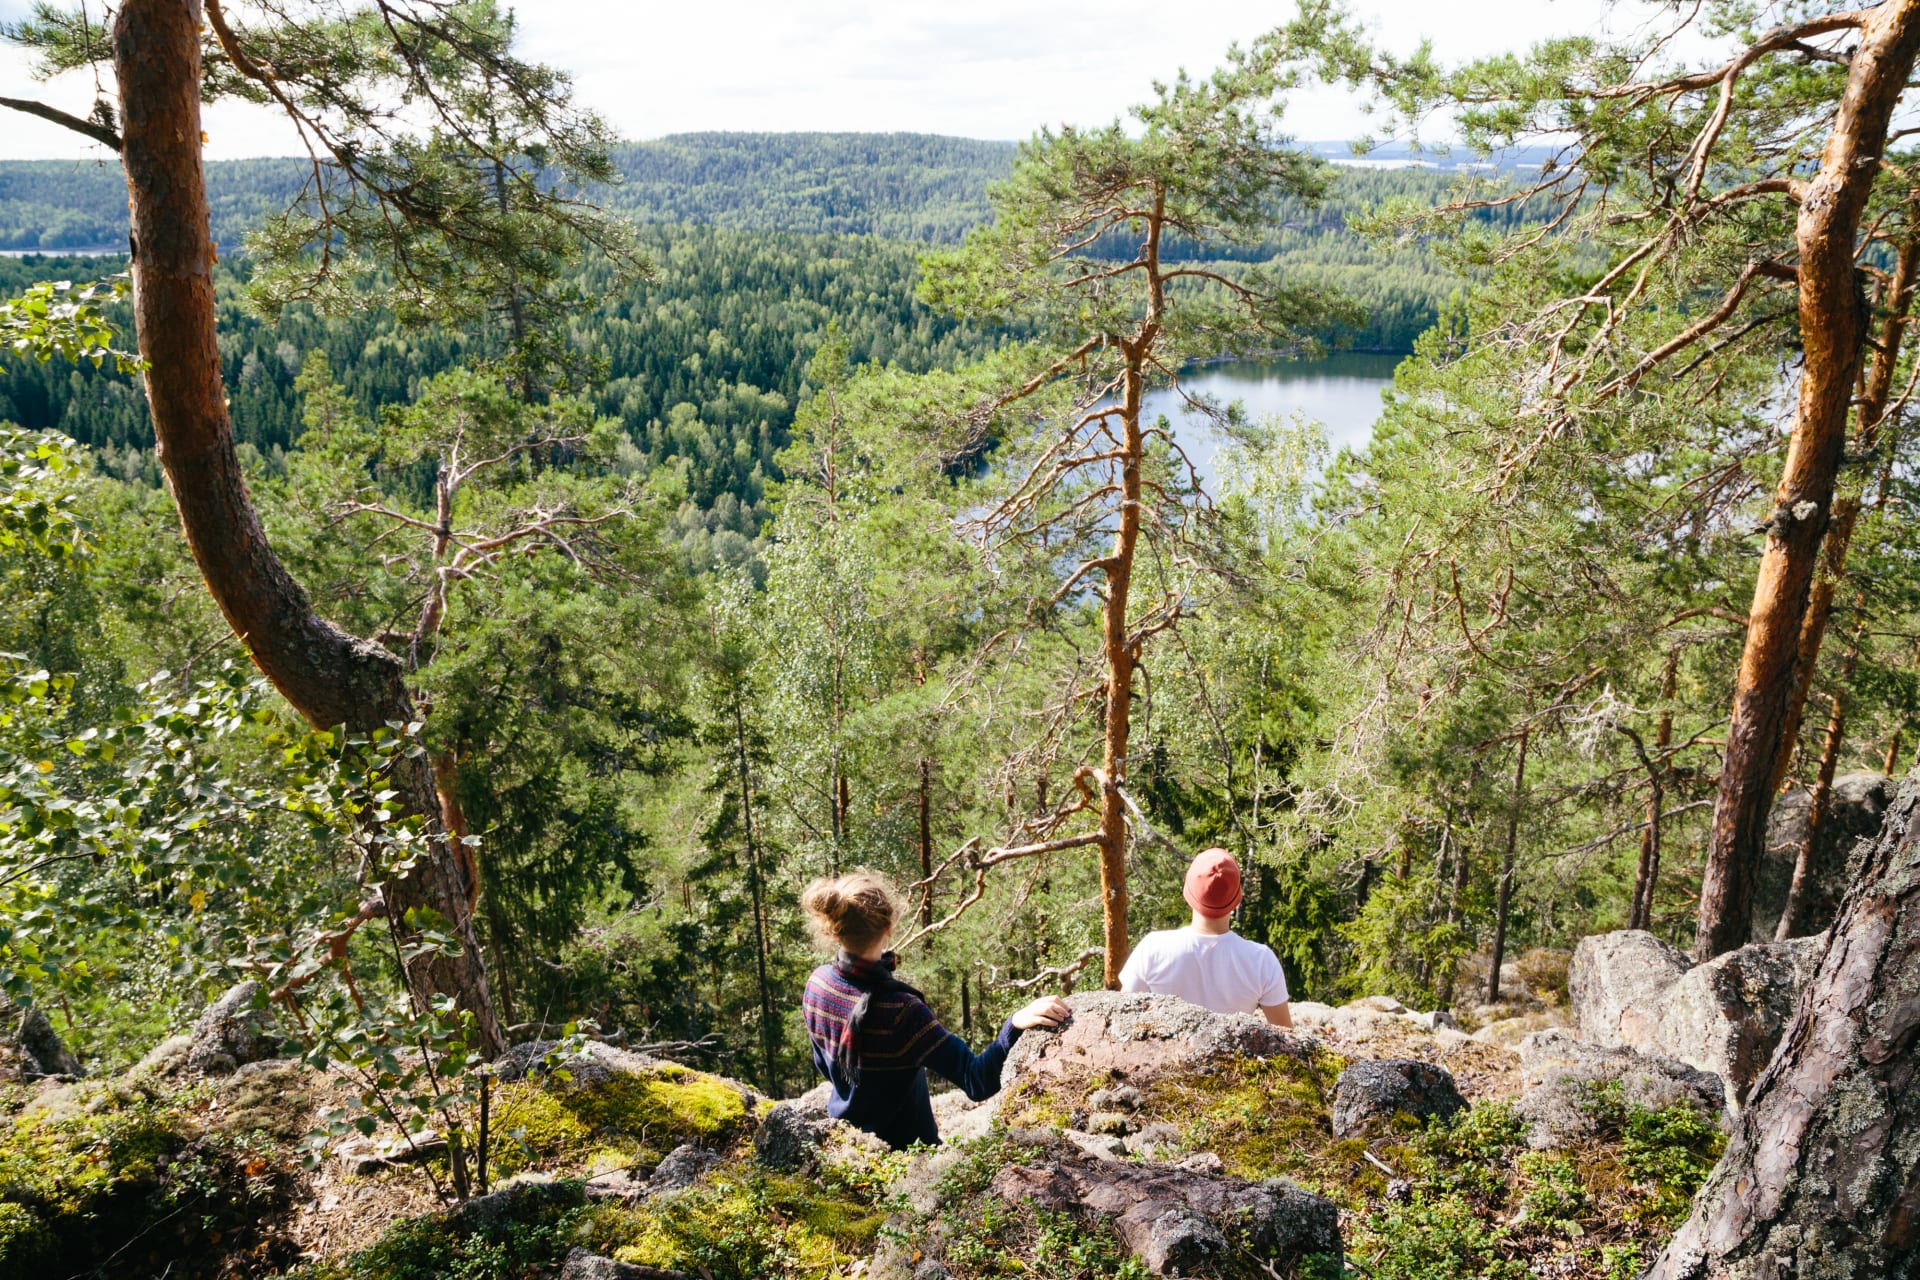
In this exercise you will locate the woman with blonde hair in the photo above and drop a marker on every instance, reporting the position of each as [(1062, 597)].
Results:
[(874, 1038)]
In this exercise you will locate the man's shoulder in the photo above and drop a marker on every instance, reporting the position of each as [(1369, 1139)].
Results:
[(1258, 950), (1161, 941)]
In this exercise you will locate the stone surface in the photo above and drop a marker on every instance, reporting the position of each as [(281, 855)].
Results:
[(581, 1265), (1369, 1093), (30, 1049), (1138, 1036), (516, 1198), (1558, 1072), (791, 1133), (596, 1064), (1859, 803), (681, 1169), (960, 1117), (231, 1032), (1177, 1221), (1616, 983), (1726, 1016)]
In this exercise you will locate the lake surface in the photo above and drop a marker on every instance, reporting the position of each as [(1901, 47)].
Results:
[(1342, 392)]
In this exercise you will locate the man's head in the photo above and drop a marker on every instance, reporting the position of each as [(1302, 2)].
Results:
[(1213, 884)]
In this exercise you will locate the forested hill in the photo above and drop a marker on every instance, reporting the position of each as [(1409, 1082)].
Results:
[(904, 186), (901, 186)]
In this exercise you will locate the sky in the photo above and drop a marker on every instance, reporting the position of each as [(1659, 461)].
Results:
[(974, 68)]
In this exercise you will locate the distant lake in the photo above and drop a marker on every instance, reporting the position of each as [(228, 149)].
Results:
[(1341, 391)]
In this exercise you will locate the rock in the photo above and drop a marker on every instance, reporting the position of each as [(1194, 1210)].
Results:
[(597, 1063), (1138, 1036), (791, 1133), (1116, 1123), (581, 1265), (1120, 1098), (1372, 1091), (516, 1198), (1177, 1221), (1379, 1004), (1559, 1072), (1095, 1145), (1153, 1138), (1509, 1032), (232, 1031), (1726, 1016), (1308, 1014), (960, 1118), (32, 1049), (167, 1058), (1616, 983), (681, 1169), (1859, 802)]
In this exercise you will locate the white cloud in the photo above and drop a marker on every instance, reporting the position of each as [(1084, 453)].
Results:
[(984, 68)]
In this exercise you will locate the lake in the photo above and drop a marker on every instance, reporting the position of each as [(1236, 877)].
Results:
[(1341, 391)]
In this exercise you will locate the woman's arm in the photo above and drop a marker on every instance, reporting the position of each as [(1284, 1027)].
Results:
[(978, 1075)]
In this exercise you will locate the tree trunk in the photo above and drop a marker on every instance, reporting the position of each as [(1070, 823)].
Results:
[(1647, 875), (330, 677), (1820, 802), (1869, 414), (1820, 1177), (1832, 333), (926, 840), (767, 1023), (1120, 661), (1504, 901)]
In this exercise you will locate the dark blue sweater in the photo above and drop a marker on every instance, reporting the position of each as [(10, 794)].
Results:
[(878, 1074)]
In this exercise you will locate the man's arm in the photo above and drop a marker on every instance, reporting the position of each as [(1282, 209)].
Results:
[(1277, 1014)]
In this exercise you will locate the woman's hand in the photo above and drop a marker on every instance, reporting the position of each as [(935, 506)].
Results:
[(1047, 1011)]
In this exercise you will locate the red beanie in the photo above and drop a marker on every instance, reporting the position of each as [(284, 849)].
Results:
[(1213, 884)]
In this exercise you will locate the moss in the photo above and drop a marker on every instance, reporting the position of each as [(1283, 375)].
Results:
[(105, 1168), (666, 1103), (1262, 1116), (532, 1126), (739, 1223)]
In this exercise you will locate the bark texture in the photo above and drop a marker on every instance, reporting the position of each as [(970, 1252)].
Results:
[(1821, 1179), (1833, 329), (330, 677)]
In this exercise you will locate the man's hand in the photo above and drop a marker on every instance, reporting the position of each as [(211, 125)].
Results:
[(1047, 1011)]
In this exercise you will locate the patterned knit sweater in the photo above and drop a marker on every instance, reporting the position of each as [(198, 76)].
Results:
[(878, 1073)]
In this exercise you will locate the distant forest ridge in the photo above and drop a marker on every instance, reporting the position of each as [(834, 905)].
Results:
[(902, 186)]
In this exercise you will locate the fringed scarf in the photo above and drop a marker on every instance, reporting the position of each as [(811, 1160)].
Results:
[(868, 976)]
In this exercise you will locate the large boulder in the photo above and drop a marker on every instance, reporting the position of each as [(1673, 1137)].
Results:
[(1179, 1220), (30, 1049), (1375, 1091), (1859, 802), (1726, 1016), (1560, 1073), (792, 1132), (1142, 1035), (1616, 984), (231, 1032)]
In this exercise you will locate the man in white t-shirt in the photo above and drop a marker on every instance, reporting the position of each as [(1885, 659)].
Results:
[(1207, 963)]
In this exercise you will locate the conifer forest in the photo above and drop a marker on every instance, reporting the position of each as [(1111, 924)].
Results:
[(463, 578)]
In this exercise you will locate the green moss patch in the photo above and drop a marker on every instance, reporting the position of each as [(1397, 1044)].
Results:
[(119, 1179), (740, 1223)]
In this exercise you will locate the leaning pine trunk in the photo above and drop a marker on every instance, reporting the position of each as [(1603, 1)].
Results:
[(1832, 333), (330, 677), (1821, 1178)]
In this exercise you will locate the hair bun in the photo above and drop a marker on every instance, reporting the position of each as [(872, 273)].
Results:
[(853, 912)]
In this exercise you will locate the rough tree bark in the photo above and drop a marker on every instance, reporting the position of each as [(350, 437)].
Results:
[(1832, 331), (330, 677), (1821, 1179), (1122, 651), (1820, 800), (1869, 414)]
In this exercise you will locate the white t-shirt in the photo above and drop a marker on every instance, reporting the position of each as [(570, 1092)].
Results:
[(1223, 972)]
